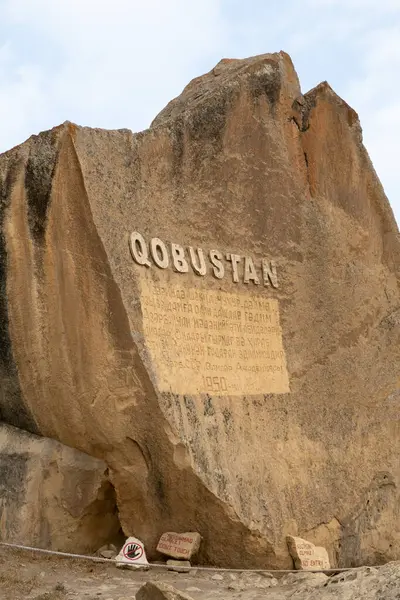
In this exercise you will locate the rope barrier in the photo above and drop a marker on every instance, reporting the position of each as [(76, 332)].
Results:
[(168, 567)]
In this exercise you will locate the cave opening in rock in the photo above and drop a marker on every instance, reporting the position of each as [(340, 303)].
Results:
[(100, 524)]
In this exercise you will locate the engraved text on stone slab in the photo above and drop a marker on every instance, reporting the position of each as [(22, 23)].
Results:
[(208, 341)]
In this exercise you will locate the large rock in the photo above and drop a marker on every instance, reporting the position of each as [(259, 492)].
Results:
[(247, 399), (52, 496), (157, 590)]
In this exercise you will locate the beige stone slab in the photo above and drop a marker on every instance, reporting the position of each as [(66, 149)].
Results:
[(179, 545), (204, 341), (306, 556), (179, 566)]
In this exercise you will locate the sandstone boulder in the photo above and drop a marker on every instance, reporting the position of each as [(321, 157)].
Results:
[(252, 581), (358, 584), (304, 578), (179, 545), (211, 307), (52, 496), (306, 556)]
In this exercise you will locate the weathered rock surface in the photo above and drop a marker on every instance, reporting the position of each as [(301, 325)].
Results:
[(52, 496), (154, 590), (238, 409)]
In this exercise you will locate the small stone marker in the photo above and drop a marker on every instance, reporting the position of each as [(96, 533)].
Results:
[(179, 566), (179, 545), (306, 556), (132, 555)]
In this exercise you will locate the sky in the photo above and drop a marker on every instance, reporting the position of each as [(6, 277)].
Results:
[(116, 64)]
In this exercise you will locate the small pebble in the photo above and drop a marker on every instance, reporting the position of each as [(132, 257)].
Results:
[(60, 587), (217, 577)]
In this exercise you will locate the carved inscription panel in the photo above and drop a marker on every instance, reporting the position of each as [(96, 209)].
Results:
[(208, 341)]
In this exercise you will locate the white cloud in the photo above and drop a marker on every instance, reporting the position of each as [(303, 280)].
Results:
[(359, 5), (20, 96), (375, 94), (118, 63)]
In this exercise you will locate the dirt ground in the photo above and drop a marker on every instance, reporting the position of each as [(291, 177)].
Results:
[(32, 576)]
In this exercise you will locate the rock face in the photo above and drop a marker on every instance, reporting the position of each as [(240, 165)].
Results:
[(52, 496), (235, 362)]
